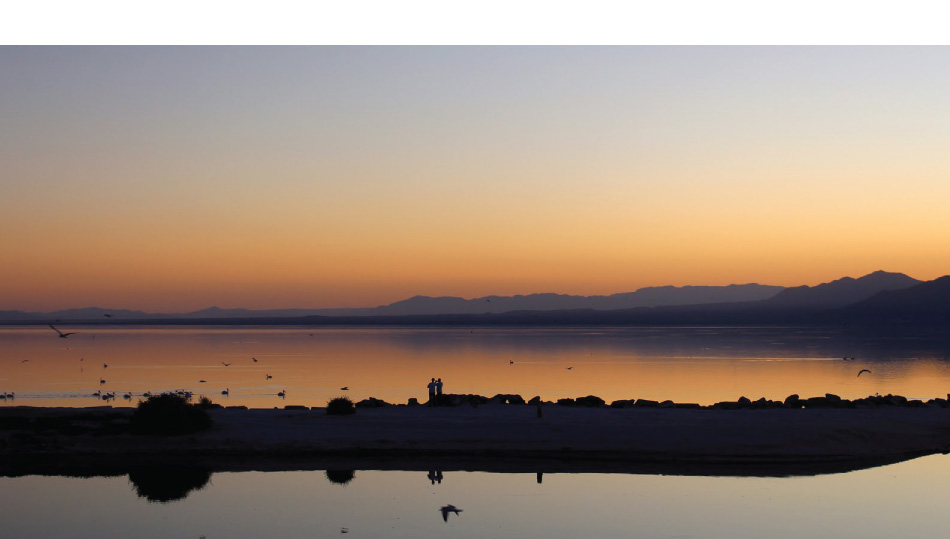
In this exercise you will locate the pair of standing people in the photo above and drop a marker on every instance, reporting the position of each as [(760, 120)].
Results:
[(435, 388)]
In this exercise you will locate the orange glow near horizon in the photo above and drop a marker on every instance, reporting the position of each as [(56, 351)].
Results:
[(173, 179)]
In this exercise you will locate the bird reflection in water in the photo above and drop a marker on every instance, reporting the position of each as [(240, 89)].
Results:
[(446, 509)]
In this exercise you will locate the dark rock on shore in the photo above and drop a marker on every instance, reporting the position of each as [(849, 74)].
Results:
[(506, 399), (590, 401), (372, 402)]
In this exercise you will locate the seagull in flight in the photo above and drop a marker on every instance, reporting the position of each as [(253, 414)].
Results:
[(61, 334), (107, 315), (255, 359), (862, 371), (24, 361), (446, 509), (226, 364)]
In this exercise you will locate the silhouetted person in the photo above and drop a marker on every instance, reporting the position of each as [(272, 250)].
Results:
[(431, 387), (438, 387), (439, 477), (431, 476)]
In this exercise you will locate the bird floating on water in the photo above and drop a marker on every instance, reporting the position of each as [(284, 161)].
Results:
[(61, 334), (267, 377), (570, 368), (282, 394), (255, 359), (24, 361), (226, 364), (202, 381), (345, 388), (862, 371), (227, 391)]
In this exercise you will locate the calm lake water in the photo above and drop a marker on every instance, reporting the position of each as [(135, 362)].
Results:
[(701, 365), (900, 500)]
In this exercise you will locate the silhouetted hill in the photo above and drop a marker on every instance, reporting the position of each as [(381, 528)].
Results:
[(842, 292), (644, 297), (926, 302)]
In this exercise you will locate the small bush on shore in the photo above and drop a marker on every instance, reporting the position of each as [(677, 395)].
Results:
[(341, 406), (169, 413)]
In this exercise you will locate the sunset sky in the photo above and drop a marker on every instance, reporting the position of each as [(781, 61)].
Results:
[(176, 178)]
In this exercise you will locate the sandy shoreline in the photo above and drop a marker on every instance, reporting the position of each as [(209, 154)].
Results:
[(491, 436)]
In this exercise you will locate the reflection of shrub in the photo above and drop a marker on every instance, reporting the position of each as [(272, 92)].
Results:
[(169, 414), (340, 477), (167, 485), (340, 406)]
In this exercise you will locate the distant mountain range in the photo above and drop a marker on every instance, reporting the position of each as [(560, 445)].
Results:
[(842, 292), (874, 298), (419, 305)]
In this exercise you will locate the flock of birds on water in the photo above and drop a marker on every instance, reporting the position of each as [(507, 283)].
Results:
[(111, 395)]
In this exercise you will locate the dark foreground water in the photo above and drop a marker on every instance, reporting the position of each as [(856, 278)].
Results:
[(900, 500), (702, 365)]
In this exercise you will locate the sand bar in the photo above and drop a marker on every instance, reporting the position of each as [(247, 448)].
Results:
[(614, 438)]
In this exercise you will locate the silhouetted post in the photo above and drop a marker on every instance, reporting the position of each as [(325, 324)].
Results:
[(540, 474), (540, 414)]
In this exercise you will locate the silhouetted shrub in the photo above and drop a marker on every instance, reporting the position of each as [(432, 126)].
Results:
[(206, 404), (168, 413), (341, 406), (340, 477)]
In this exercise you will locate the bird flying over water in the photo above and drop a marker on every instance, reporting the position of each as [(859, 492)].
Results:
[(226, 364), (255, 359), (446, 509), (61, 334), (24, 361), (860, 372), (107, 315)]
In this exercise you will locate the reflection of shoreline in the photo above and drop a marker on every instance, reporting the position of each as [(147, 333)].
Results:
[(336, 466)]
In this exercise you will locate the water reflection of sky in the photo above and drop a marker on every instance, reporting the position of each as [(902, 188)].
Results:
[(701, 365), (891, 501)]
